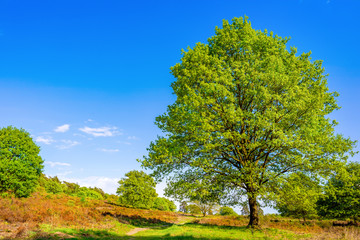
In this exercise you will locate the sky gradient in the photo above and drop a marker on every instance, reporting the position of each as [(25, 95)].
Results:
[(88, 78)]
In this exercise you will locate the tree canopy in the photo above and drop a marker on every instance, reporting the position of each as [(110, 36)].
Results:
[(137, 190), (248, 110), (297, 196), (20, 162), (342, 194)]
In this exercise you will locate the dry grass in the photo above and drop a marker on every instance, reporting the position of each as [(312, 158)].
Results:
[(319, 230), (19, 216)]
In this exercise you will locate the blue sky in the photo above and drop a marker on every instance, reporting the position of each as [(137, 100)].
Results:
[(88, 78)]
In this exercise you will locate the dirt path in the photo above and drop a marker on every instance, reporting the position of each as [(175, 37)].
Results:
[(180, 221), (136, 230)]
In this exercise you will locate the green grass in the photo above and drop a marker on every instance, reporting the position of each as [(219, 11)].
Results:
[(118, 231), (188, 231), (196, 231)]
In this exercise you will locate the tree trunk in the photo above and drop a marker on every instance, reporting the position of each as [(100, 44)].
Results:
[(254, 215)]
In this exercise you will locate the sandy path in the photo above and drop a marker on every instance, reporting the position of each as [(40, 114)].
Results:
[(136, 230)]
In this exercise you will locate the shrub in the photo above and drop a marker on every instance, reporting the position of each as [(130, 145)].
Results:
[(227, 211)]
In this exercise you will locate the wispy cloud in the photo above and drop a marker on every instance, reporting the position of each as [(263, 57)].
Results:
[(54, 164), (101, 132), (45, 140), (108, 150), (109, 185), (62, 128), (67, 144), (132, 138)]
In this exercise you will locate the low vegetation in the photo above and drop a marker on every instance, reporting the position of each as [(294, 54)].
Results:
[(60, 216)]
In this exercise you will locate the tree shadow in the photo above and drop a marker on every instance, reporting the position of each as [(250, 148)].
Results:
[(93, 235), (103, 234), (138, 221)]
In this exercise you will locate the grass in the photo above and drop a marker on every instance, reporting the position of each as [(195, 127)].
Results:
[(44, 216), (185, 232), (198, 231)]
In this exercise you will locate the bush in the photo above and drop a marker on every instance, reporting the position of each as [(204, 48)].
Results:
[(227, 211), (89, 193)]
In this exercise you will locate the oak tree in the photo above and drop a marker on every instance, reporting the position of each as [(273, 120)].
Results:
[(249, 109)]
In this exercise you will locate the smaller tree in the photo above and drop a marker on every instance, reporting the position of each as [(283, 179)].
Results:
[(193, 209), (20, 162), (171, 204), (227, 211), (137, 190), (161, 204), (201, 192), (297, 196), (342, 194)]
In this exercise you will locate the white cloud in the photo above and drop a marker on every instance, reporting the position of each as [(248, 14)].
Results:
[(108, 150), (132, 138), (45, 140), (62, 128), (53, 164), (101, 132), (109, 185), (67, 144)]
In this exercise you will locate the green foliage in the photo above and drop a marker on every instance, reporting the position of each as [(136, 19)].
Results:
[(342, 194), (54, 186), (193, 209), (164, 204), (171, 205), (71, 188), (227, 211), (297, 196), (247, 112), (161, 204), (137, 190), (51, 184), (20, 163), (84, 192), (201, 192)]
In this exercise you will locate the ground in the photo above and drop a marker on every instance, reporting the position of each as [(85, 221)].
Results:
[(63, 217)]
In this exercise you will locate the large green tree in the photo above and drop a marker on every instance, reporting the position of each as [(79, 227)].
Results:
[(248, 110), (20, 162), (137, 190)]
